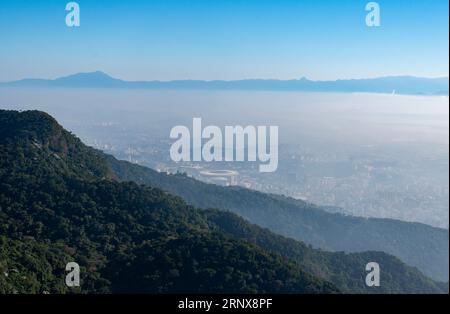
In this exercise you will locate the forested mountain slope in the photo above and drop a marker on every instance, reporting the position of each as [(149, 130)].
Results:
[(419, 245), (60, 202)]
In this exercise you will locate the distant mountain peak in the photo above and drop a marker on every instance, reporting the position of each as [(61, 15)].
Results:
[(96, 75)]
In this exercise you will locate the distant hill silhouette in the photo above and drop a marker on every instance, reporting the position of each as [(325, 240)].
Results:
[(390, 84)]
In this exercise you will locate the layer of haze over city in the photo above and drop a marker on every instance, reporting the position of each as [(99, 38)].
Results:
[(363, 154)]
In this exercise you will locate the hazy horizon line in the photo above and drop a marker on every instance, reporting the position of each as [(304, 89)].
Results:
[(229, 80)]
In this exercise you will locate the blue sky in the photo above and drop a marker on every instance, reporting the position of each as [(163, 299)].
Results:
[(218, 39)]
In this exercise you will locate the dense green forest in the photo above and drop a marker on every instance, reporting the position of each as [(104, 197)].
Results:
[(61, 201), (419, 245)]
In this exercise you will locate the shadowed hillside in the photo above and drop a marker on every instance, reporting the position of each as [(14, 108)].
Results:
[(60, 202)]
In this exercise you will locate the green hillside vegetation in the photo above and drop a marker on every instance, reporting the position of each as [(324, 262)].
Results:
[(419, 245), (340, 268), (60, 202)]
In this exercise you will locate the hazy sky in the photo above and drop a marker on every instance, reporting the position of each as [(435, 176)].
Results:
[(218, 39)]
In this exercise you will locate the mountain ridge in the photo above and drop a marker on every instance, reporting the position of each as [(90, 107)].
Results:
[(417, 244), (388, 84)]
